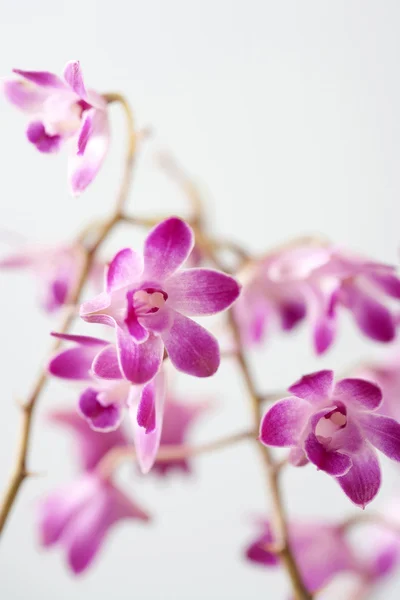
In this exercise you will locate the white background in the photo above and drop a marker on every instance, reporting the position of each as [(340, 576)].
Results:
[(289, 114)]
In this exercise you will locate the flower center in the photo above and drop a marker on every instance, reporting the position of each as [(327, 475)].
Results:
[(329, 424), (148, 301)]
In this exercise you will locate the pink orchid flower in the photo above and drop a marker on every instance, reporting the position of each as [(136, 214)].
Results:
[(335, 427), (314, 282), (148, 300), (79, 515), (320, 549), (64, 110), (103, 402), (55, 267)]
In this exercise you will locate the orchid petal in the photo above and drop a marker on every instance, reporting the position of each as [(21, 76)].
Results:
[(330, 461), (359, 393), (196, 292), (139, 362), (362, 482), (124, 269), (166, 248), (73, 76), (284, 422), (383, 433), (191, 348), (84, 167), (314, 387)]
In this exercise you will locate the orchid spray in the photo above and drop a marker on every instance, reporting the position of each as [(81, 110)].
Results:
[(126, 407)]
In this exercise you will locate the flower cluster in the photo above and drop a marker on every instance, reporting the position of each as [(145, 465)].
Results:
[(62, 110), (315, 281)]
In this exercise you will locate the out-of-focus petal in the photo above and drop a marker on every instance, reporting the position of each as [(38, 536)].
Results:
[(73, 76), (44, 142), (147, 444), (83, 168), (23, 95), (41, 78), (372, 317), (191, 348), (166, 248)]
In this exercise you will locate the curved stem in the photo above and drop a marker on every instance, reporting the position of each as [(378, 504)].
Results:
[(20, 471), (166, 453)]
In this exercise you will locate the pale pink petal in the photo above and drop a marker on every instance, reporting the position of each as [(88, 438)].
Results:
[(83, 168), (73, 76), (166, 248), (124, 269), (92, 310), (314, 387), (23, 95), (191, 348), (284, 422), (383, 433), (41, 78), (196, 292), (147, 444)]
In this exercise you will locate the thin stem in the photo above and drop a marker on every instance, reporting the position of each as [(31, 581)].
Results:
[(272, 470), (20, 471), (117, 455)]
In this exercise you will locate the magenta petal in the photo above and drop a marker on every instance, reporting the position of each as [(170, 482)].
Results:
[(383, 433), (332, 462), (314, 387), (291, 312), (37, 135), (389, 283), (158, 321), (166, 248), (83, 340), (362, 482), (139, 362), (83, 167), (191, 348), (124, 269), (359, 393), (147, 444), (196, 292), (73, 363), (284, 422), (99, 417), (41, 78), (106, 365), (73, 76), (372, 317)]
